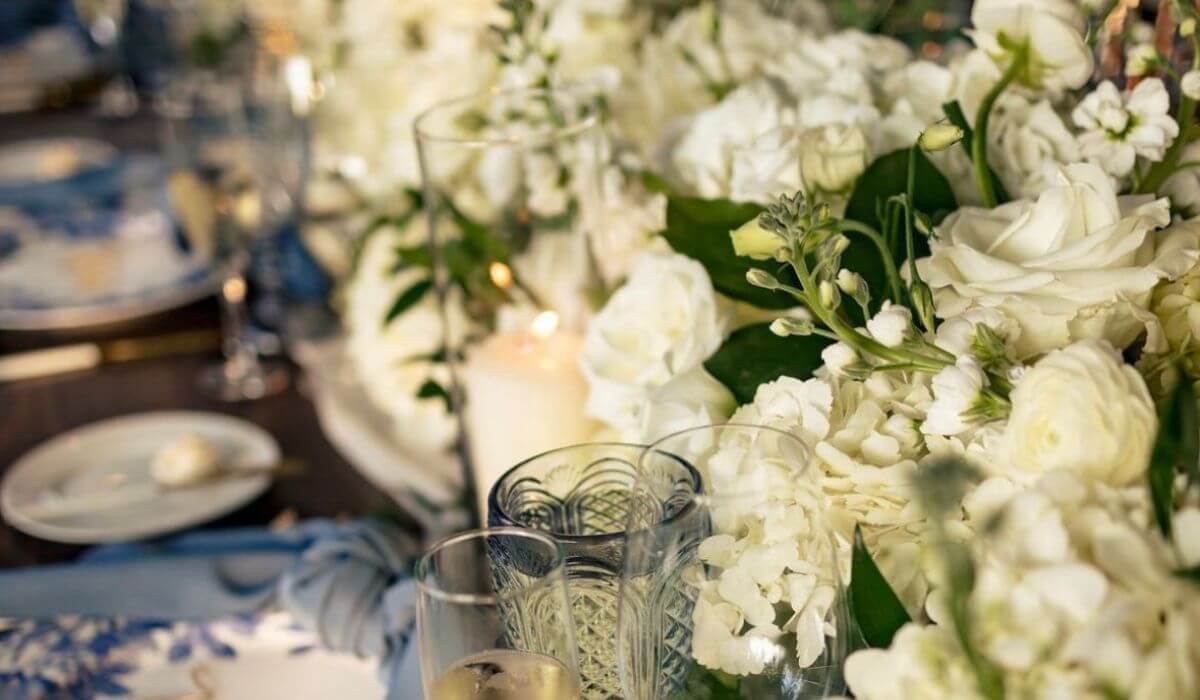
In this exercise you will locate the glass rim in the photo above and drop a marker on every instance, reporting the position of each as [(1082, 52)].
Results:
[(424, 134), (558, 565), (640, 449), (703, 495)]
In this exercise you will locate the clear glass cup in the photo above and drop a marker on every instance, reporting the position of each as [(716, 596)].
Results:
[(493, 619), (744, 598), (582, 496), (513, 203), (227, 193)]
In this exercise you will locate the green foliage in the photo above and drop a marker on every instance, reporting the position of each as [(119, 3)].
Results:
[(884, 179), (877, 609), (407, 299), (699, 229), (753, 356), (1177, 447)]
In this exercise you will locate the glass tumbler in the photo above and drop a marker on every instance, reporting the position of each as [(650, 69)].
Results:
[(493, 620), (744, 599), (581, 495)]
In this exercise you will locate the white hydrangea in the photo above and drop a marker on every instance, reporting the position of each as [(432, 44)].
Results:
[(1074, 597), (1120, 128)]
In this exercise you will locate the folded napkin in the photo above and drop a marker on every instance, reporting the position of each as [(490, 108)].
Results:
[(348, 582)]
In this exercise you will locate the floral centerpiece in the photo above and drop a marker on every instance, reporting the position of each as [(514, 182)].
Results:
[(968, 281), (982, 278)]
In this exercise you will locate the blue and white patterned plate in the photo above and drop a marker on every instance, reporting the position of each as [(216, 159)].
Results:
[(247, 657), (107, 252)]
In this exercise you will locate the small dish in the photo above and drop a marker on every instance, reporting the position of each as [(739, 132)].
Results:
[(116, 454)]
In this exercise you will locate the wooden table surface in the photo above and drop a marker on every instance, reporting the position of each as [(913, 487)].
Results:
[(33, 411)]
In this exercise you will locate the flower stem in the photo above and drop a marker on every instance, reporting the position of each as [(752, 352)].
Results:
[(889, 262), (983, 179)]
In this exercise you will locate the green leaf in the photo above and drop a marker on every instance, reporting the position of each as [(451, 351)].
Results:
[(875, 606), (1191, 574), (1177, 445), (753, 355), (407, 299), (888, 177), (699, 229)]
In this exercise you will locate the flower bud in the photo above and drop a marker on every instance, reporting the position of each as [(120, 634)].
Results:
[(839, 244), (828, 294), (1190, 84), (785, 327), (761, 278), (753, 241), (939, 137), (1142, 59), (848, 281), (1187, 28), (923, 301)]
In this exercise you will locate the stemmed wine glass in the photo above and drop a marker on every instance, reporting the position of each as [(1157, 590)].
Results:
[(493, 620), (742, 599), (232, 175)]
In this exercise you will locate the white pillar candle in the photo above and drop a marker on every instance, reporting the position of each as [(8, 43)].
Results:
[(524, 395)]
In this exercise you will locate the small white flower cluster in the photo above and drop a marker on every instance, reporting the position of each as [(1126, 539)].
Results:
[(1074, 597)]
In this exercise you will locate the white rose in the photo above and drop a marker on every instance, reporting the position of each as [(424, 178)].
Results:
[(833, 156), (1051, 32), (1083, 410), (666, 320), (956, 391), (892, 325), (1078, 262), (690, 400), (1025, 137)]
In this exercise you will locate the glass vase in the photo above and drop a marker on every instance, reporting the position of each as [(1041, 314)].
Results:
[(511, 198)]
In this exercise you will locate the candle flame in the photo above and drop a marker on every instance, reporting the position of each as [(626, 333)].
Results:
[(501, 274), (544, 325)]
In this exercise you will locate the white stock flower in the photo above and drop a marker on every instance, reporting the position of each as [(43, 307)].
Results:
[(838, 358), (1083, 410), (1049, 30), (689, 400), (664, 321), (1024, 139), (1118, 129), (1077, 263), (956, 392), (832, 156), (892, 325), (1184, 186)]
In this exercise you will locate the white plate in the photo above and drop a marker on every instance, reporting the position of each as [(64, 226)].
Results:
[(86, 459), (48, 160)]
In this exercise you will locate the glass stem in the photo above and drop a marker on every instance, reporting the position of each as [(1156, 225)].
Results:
[(241, 357)]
